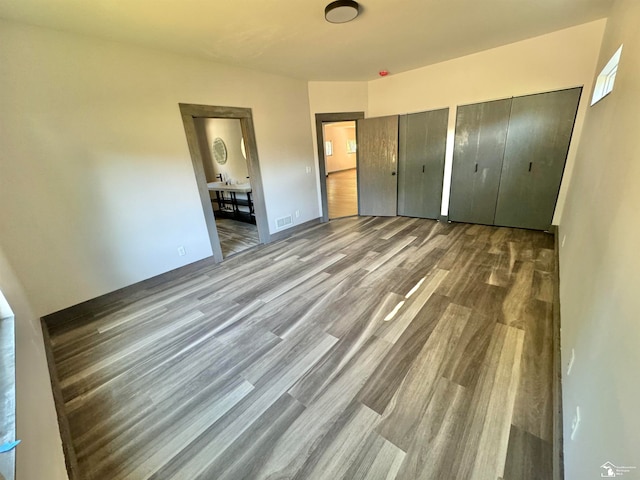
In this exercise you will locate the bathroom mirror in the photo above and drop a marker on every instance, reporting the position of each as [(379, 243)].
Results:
[(242, 148), (219, 151)]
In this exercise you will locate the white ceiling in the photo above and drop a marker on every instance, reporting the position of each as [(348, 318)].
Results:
[(292, 38)]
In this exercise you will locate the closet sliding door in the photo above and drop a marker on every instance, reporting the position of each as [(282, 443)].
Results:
[(536, 150), (481, 133), (423, 140)]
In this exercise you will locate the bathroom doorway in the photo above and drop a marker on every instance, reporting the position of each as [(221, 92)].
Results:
[(229, 183), (336, 135), (225, 159)]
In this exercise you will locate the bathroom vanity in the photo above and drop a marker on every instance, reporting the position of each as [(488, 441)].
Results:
[(227, 203)]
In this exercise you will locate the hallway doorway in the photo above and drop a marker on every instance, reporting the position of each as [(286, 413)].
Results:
[(338, 163), (341, 168)]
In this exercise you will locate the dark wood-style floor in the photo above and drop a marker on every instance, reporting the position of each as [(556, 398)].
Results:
[(364, 348), (342, 193), (236, 236)]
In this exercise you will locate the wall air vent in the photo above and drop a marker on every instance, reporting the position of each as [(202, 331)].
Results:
[(283, 222)]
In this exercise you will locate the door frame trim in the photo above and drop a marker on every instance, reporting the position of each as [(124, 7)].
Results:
[(189, 113), (330, 118)]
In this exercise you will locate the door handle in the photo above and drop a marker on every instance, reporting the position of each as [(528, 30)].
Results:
[(422, 168), (393, 173), (530, 165), (476, 168)]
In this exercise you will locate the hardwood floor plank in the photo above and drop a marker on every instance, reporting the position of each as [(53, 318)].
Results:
[(341, 445), (492, 407), (302, 278), (402, 226), (414, 394), (393, 329), (466, 360), (199, 454), (165, 383), (435, 450), (382, 386), (377, 459), (238, 460), (342, 193), (316, 314), (543, 286), (171, 435), (298, 443), (545, 259), (363, 348), (69, 383), (533, 407), (236, 236), (278, 358), (344, 354), (528, 457), (390, 254)]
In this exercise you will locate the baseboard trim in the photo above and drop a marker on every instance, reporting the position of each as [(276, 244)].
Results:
[(281, 235), (123, 294), (558, 434), (70, 458)]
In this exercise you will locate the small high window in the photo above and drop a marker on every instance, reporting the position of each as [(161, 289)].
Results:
[(606, 79)]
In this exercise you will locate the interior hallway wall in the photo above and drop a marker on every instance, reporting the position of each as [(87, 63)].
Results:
[(600, 269)]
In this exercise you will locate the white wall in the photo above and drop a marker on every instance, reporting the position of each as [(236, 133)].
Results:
[(40, 453), (600, 268), (97, 190), (562, 59), (96, 184)]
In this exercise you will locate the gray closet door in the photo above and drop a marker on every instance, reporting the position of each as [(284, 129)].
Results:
[(377, 166), (423, 141), (536, 150), (481, 132)]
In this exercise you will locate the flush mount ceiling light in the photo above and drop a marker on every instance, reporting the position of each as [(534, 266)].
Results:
[(341, 11)]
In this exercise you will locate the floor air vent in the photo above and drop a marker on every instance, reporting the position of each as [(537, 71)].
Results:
[(284, 221)]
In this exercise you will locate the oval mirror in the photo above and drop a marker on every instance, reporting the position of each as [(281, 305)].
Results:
[(219, 151)]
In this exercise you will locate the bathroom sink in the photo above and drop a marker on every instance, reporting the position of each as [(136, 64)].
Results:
[(221, 186)]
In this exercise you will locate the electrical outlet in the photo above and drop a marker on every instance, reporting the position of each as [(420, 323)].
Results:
[(564, 238), (571, 360), (297, 213), (181, 251), (575, 423), (308, 169)]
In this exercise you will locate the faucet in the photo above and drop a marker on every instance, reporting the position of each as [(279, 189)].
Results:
[(220, 177)]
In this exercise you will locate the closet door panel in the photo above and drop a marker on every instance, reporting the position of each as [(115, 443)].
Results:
[(423, 139), (481, 132), (377, 166), (537, 144)]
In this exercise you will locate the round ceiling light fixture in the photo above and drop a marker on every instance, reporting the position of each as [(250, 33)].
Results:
[(341, 11)]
